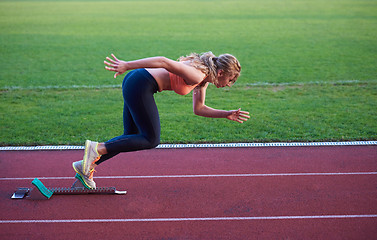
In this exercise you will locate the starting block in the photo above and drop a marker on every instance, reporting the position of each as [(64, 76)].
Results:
[(40, 192)]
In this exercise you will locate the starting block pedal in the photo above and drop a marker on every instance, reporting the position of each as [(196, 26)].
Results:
[(40, 192)]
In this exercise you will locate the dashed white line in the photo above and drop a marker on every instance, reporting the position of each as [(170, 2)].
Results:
[(206, 145), (187, 219), (201, 176)]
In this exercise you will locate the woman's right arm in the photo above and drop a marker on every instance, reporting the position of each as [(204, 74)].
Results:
[(200, 109), (190, 74)]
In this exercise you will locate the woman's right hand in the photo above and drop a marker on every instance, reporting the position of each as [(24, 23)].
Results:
[(238, 115), (116, 65)]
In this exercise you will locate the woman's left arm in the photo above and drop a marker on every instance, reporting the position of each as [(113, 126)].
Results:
[(189, 73), (201, 109)]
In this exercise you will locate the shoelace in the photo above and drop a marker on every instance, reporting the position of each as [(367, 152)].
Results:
[(91, 173), (91, 170), (95, 160)]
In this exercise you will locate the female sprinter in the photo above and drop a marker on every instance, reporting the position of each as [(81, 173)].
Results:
[(140, 115)]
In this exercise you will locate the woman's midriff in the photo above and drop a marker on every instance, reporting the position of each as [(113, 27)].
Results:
[(162, 78)]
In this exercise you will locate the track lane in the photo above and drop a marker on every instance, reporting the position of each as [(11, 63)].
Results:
[(196, 161), (259, 229), (210, 197)]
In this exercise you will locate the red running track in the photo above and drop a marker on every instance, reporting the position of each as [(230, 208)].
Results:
[(291, 202)]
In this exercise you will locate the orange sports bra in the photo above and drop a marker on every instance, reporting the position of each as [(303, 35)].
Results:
[(179, 85)]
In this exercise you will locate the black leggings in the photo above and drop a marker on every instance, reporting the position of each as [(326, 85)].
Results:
[(141, 120)]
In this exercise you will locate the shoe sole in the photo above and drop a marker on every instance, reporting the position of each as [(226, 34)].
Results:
[(82, 178)]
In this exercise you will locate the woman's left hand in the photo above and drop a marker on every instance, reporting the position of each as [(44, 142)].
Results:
[(238, 116), (116, 65)]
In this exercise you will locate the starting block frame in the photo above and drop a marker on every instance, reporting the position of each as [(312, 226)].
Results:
[(40, 192)]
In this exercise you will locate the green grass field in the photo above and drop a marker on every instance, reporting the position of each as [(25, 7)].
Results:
[(309, 68)]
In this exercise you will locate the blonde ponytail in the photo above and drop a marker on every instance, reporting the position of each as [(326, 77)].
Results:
[(209, 64)]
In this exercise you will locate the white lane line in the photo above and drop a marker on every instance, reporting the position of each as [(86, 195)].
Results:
[(209, 145), (253, 84), (335, 82), (201, 176), (187, 219), (10, 88)]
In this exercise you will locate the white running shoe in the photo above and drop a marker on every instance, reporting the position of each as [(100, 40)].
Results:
[(87, 178), (90, 157)]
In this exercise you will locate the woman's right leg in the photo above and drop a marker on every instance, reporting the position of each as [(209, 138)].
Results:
[(129, 128), (140, 116), (141, 125)]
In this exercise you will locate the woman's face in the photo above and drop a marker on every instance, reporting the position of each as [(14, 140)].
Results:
[(224, 79)]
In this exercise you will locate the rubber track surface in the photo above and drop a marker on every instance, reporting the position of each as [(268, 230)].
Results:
[(187, 206)]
